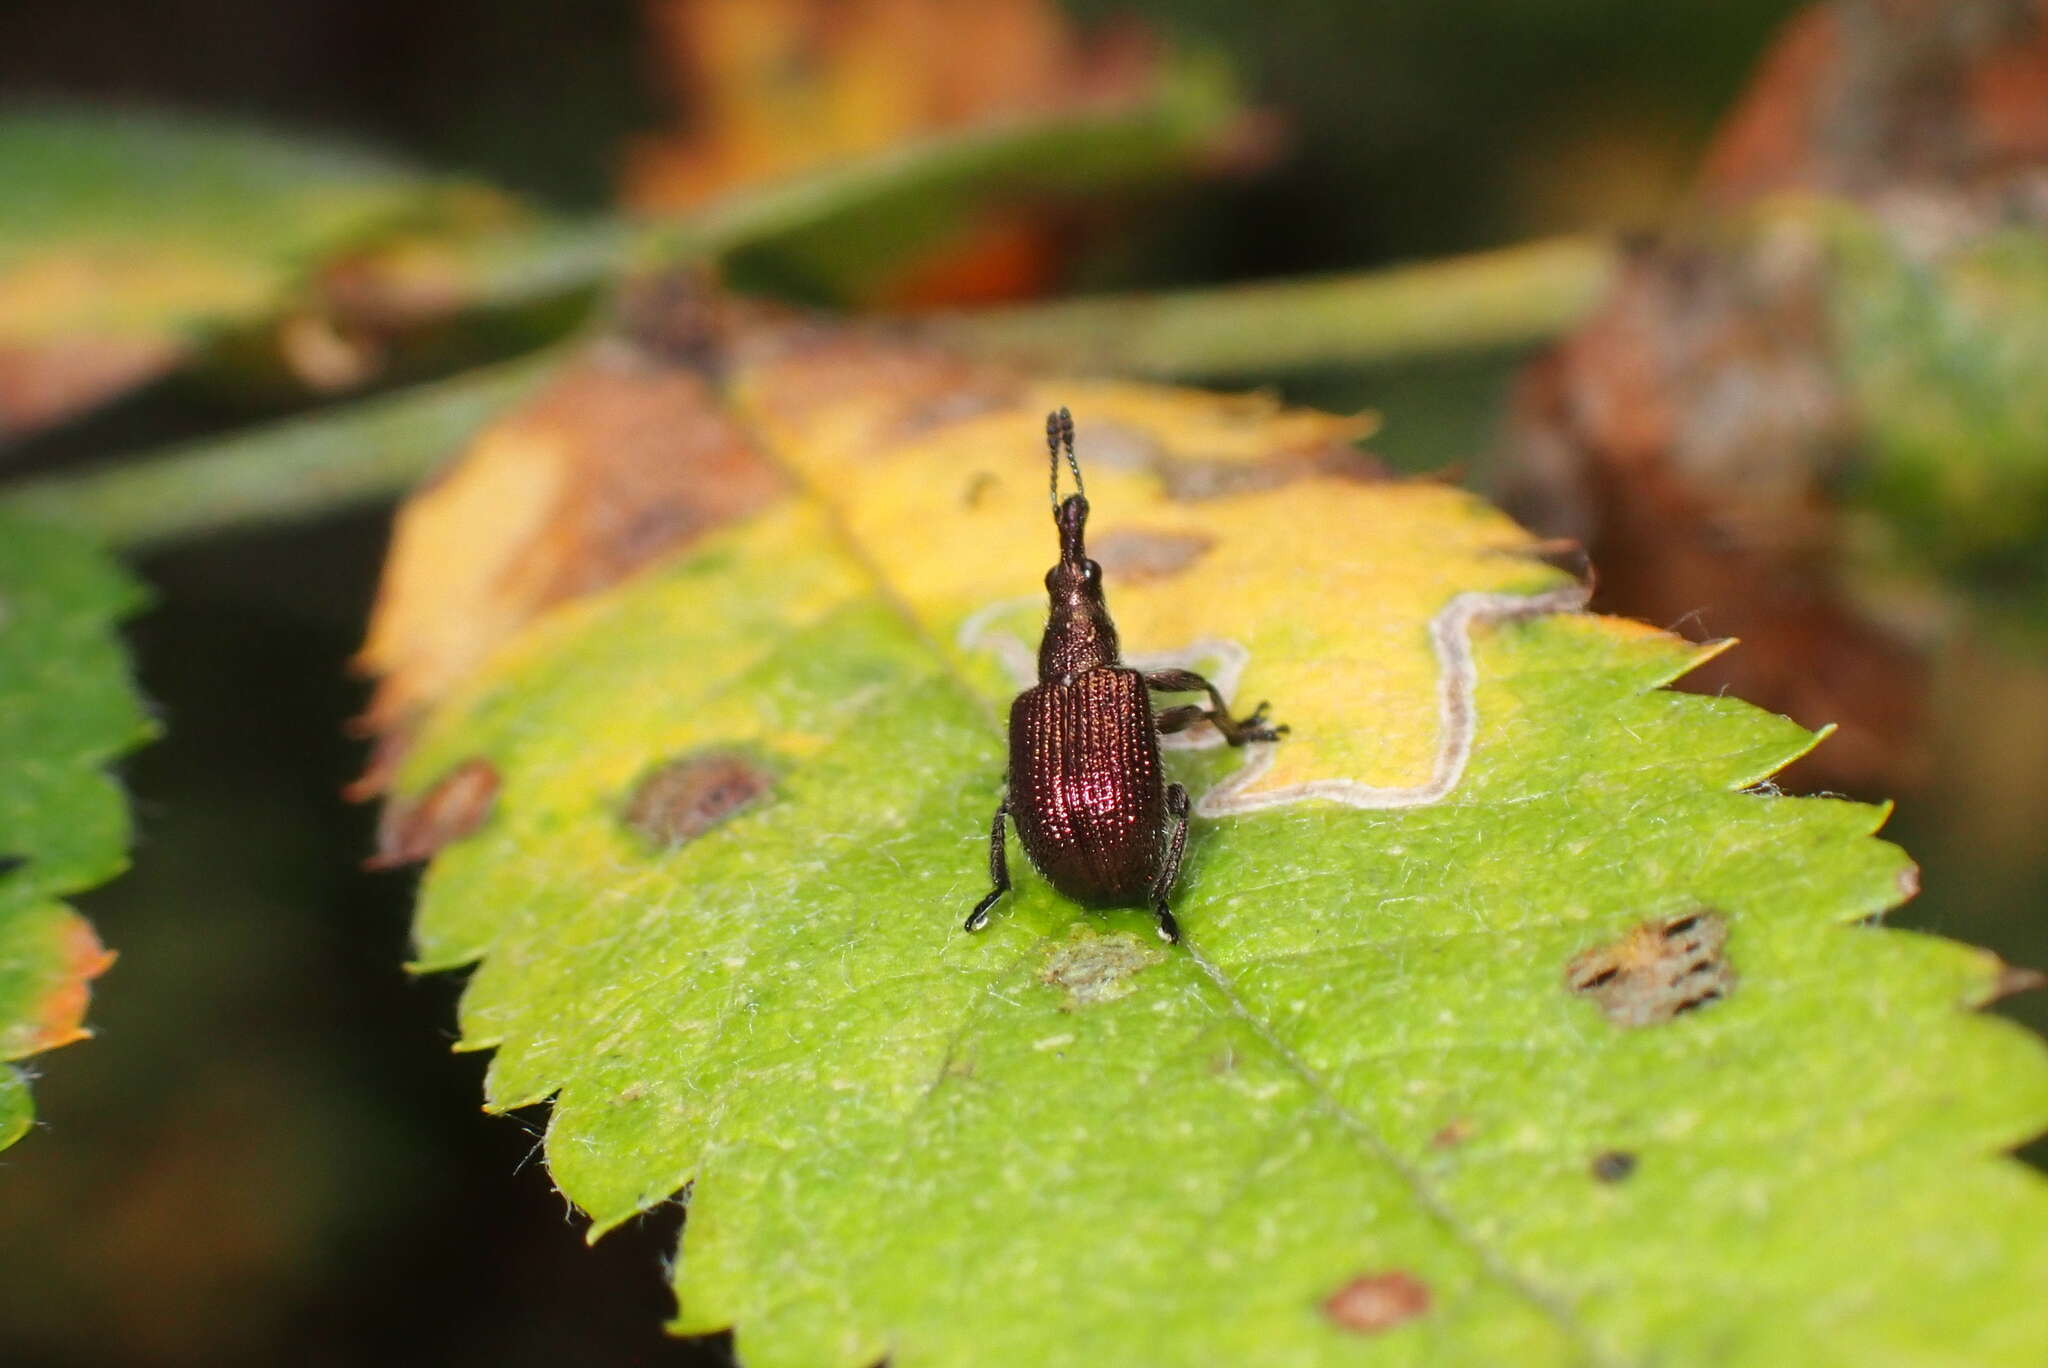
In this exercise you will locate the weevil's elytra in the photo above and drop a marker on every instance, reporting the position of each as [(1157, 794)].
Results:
[(1086, 789)]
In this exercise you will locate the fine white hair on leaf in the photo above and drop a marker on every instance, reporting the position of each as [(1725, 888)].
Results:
[(980, 633)]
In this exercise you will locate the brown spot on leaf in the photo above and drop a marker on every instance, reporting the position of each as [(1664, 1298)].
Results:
[(413, 829), (1137, 553), (978, 488), (1373, 1302), (1194, 480), (1613, 1166), (1191, 481), (1092, 967), (690, 795), (893, 390), (1109, 443), (1657, 970), (1452, 1134)]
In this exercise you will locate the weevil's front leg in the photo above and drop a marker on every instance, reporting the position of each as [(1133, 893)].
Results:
[(1236, 731), (998, 869), (1162, 887)]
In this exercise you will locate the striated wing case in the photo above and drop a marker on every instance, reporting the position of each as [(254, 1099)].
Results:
[(1086, 789)]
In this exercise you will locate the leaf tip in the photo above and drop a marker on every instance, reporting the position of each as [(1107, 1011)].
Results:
[(2011, 979)]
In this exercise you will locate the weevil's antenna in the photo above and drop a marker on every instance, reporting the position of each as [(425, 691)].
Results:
[(1059, 432)]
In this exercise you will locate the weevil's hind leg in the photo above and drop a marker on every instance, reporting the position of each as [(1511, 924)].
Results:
[(998, 870), (1237, 731), (1162, 887), (1172, 720)]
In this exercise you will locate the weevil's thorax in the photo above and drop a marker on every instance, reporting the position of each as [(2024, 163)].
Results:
[(1079, 636)]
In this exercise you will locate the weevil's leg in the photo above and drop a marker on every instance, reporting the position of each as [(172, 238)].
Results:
[(1162, 887), (1236, 731), (1181, 718), (998, 869)]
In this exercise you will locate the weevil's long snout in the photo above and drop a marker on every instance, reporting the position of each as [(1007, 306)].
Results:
[(1071, 517)]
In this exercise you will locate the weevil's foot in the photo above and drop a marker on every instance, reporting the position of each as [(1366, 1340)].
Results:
[(978, 918), (1169, 929), (1255, 728)]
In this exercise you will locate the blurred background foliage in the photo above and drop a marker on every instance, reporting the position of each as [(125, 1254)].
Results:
[(269, 1157)]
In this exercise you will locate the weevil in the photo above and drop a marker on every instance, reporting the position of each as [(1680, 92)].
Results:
[(1085, 787)]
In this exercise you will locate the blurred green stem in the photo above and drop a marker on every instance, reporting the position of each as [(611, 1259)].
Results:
[(374, 449), (1499, 298), (302, 467), (1188, 119)]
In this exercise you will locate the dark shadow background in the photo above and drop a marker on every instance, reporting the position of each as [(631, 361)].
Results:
[(269, 1156)]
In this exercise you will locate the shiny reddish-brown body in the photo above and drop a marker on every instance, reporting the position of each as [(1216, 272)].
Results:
[(1092, 808), (1086, 788)]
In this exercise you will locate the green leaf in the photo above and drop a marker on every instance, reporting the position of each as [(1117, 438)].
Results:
[(66, 709), (1513, 1023), (131, 223), (1498, 299), (128, 238)]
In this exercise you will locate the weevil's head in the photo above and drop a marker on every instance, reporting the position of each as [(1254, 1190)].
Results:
[(1079, 635)]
